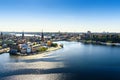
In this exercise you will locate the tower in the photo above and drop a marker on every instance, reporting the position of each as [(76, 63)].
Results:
[(1, 35), (23, 35), (42, 36)]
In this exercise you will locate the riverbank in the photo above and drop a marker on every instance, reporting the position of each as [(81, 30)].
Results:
[(99, 43), (53, 48), (48, 50)]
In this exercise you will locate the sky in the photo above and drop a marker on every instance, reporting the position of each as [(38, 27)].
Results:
[(60, 15)]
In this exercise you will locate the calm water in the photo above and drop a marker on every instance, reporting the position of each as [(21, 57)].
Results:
[(76, 61)]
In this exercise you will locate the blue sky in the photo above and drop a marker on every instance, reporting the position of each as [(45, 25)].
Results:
[(63, 15)]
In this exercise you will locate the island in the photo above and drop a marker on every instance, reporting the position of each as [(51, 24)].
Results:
[(27, 45)]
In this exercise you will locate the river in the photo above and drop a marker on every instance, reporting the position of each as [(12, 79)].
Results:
[(76, 61)]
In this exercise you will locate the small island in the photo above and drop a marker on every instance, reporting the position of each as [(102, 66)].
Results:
[(27, 45)]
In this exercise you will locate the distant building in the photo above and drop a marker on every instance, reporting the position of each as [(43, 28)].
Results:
[(89, 34)]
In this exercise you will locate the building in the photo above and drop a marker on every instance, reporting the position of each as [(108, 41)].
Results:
[(49, 43), (23, 50), (89, 35)]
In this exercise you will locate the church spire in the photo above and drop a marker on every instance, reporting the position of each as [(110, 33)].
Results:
[(42, 36), (1, 35), (23, 35)]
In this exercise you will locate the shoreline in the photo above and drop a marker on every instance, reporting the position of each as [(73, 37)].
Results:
[(4, 50), (100, 43), (48, 50)]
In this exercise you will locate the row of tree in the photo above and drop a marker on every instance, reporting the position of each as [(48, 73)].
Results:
[(114, 38)]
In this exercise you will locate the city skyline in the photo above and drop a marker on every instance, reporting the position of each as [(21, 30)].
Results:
[(60, 15)]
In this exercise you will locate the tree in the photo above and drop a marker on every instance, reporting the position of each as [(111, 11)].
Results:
[(54, 45)]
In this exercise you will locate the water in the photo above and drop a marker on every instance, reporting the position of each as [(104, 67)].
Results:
[(27, 35), (76, 61)]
